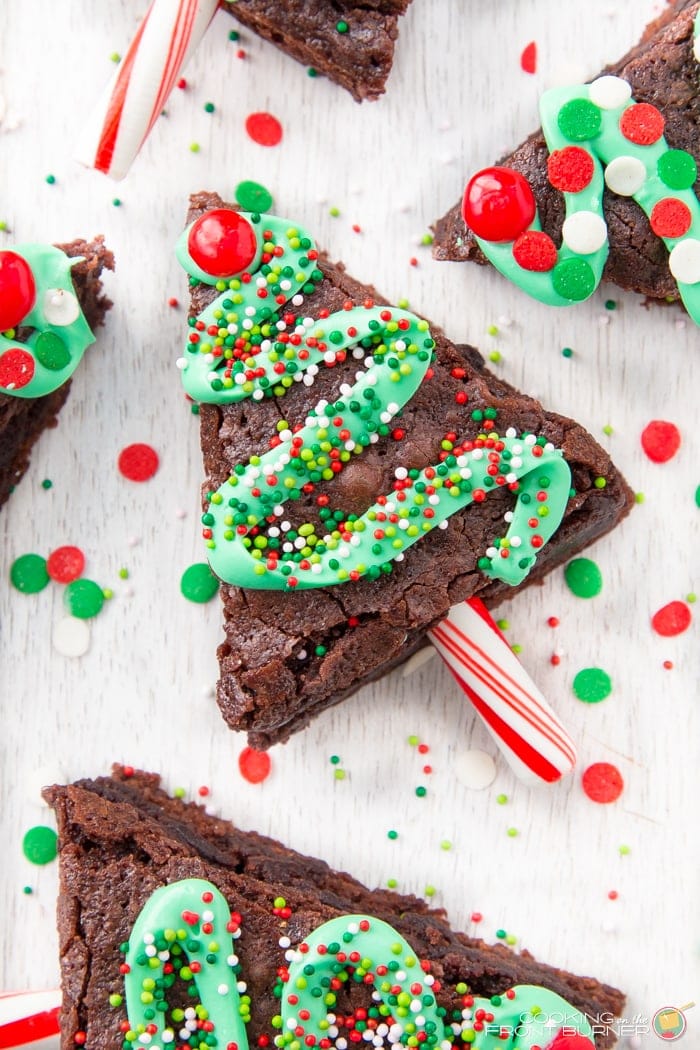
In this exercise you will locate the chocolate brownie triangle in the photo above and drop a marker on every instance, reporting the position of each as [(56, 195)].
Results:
[(351, 43), (663, 73), (121, 838), (290, 654), (22, 420)]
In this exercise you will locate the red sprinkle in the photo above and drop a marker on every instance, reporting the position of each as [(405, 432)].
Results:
[(552, 621), (138, 462), (668, 621), (667, 665), (173, 301), (528, 59), (182, 83), (264, 129), (203, 791), (254, 765), (65, 564), (613, 895), (602, 782), (476, 916), (660, 440)]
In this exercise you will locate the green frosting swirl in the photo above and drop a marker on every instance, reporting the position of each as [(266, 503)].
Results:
[(184, 929), (54, 347), (240, 347)]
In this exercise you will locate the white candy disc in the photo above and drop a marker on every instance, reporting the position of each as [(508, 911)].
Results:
[(475, 769), (610, 92), (71, 636), (60, 307), (684, 261), (584, 232), (625, 175)]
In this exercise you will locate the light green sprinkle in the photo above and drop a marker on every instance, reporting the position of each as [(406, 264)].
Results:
[(501, 799)]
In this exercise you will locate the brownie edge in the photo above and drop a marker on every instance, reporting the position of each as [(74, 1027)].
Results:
[(22, 420), (121, 837)]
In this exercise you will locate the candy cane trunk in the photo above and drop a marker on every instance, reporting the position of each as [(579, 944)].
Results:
[(28, 1016)]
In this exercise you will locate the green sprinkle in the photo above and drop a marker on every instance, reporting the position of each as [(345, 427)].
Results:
[(179, 793), (392, 884), (501, 934), (583, 578), (697, 496), (392, 834), (567, 352), (512, 833), (446, 844), (427, 239), (610, 304), (311, 72), (115, 57), (624, 851), (495, 356), (115, 999), (28, 573), (413, 740), (83, 598), (194, 147), (430, 891), (123, 574), (116, 202), (50, 179), (511, 939), (334, 212), (639, 497), (592, 685), (421, 791), (253, 196), (321, 650), (600, 483), (198, 583), (339, 774), (503, 624), (342, 26), (501, 799), (607, 430), (403, 304), (335, 759), (40, 844), (209, 107), (3, 226), (194, 408), (233, 35), (691, 598), (27, 890), (517, 648)]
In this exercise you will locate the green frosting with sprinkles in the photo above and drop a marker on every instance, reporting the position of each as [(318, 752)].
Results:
[(246, 345), (58, 331), (185, 931), (597, 135)]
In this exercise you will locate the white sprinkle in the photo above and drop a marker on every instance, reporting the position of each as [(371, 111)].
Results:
[(222, 989)]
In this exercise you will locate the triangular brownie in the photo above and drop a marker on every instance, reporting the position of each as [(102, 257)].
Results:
[(121, 838), (22, 419), (629, 133), (351, 44), (289, 654)]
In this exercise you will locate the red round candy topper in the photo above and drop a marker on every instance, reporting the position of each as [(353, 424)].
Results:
[(574, 1041), (17, 289), (498, 204), (222, 242)]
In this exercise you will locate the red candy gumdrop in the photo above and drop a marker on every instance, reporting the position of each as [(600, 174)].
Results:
[(254, 765), (222, 242), (661, 440), (17, 289), (498, 204), (574, 1041), (672, 619)]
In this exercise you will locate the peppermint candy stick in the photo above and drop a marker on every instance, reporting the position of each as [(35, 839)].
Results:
[(118, 127), (28, 1016), (531, 737)]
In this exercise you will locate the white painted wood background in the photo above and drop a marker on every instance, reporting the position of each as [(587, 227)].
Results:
[(457, 99)]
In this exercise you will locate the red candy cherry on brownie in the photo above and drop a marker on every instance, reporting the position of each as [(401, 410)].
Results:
[(17, 289), (222, 242), (498, 204)]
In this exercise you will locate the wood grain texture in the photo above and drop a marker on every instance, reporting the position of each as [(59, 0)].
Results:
[(456, 100)]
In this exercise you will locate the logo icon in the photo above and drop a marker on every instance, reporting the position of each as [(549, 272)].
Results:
[(669, 1023)]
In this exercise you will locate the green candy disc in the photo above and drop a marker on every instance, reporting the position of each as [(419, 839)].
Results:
[(51, 351), (592, 685), (40, 844), (29, 574), (579, 120), (583, 578), (198, 583), (83, 598)]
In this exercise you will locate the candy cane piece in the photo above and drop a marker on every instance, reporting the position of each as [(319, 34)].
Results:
[(28, 1016), (531, 737), (130, 106)]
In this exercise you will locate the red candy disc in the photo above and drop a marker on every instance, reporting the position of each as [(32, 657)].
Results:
[(602, 782), (264, 129), (566, 1041), (16, 369), (17, 290), (672, 619), (642, 124), (65, 564), (660, 440), (670, 218), (138, 462), (528, 58), (498, 204), (254, 765), (222, 242), (570, 169), (535, 250)]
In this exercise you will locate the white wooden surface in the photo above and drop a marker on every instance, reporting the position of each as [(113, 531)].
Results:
[(457, 98)]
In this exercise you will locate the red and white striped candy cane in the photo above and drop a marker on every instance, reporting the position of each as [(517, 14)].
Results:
[(28, 1016), (166, 38), (531, 737)]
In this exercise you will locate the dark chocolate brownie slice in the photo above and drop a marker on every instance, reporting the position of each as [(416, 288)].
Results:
[(22, 420), (122, 837), (289, 655), (662, 71), (351, 43)]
